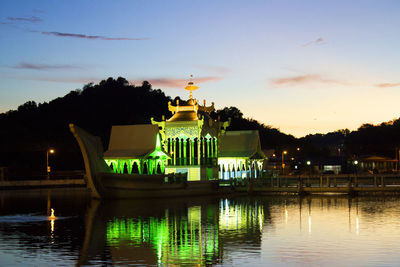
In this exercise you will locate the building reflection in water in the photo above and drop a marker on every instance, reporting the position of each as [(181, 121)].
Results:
[(172, 238), (194, 235)]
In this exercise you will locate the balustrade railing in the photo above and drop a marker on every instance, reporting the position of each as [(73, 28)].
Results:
[(322, 181)]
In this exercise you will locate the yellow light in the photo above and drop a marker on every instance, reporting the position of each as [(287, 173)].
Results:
[(285, 152), (298, 149), (52, 217), (51, 151), (273, 155)]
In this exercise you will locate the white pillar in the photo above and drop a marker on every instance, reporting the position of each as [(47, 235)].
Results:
[(190, 151), (198, 150), (174, 149)]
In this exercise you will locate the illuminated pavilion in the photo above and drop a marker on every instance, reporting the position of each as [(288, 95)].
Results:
[(188, 142)]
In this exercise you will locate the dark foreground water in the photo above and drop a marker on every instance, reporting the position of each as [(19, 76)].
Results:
[(240, 231)]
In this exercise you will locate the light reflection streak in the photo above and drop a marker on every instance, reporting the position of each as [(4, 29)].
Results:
[(309, 215), (357, 220), (286, 215), (52, 219), (349, 210), (357, 225)]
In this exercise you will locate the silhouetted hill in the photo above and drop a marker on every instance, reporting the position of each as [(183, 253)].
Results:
[(26, 133), (382, 139)]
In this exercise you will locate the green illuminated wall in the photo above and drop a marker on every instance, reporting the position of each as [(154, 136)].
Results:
[(118, 165)]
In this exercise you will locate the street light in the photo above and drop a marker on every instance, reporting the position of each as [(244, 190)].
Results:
[(283, 161), (355, 166), (51, 151), (308, 178)]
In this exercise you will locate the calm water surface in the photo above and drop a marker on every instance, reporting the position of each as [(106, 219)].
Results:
[(274, 231)]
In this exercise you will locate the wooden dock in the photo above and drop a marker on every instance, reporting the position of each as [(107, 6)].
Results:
[(321, 184)]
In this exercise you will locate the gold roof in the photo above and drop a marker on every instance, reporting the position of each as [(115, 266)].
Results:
[(184, 116)]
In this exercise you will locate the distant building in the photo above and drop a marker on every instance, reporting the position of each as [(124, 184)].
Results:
[(377, 164), (190, 141)]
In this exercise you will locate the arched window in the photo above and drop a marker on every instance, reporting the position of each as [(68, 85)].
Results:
[(135, 168), (158, 170), (125, 169)]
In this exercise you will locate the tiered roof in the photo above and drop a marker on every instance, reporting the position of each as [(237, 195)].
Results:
[(243, 144)]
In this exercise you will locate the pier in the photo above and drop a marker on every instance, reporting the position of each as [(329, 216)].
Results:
[(320, 184)]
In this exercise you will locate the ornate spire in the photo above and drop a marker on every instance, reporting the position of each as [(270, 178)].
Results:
[(191, 87)]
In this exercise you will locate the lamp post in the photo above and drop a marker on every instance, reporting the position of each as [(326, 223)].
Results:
[(308, 179), (355, 166), (283, 161), (51, 151)]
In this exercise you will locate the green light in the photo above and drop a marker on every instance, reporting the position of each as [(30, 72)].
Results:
[(155, 158), (174, 239)]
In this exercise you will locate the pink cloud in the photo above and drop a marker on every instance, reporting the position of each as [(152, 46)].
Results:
[(385, 85), (305, 79)]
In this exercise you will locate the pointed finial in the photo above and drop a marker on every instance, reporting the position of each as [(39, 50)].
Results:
[(191, 87)]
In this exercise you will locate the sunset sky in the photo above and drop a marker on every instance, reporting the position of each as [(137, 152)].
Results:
[(301, 66)]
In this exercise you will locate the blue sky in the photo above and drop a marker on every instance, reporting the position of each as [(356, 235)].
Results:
[(302, 66)]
